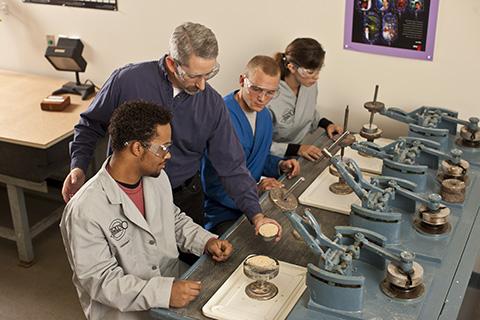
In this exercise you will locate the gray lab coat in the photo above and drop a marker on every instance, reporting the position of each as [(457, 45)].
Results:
[(293, 117), (121, 261)]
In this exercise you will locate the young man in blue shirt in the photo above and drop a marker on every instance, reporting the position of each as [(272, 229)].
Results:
[(253, 125)]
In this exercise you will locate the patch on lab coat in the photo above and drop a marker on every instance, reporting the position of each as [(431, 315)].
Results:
[(288, 116), (118, 228)]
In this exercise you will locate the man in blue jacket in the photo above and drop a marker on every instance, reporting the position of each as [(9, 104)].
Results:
[(253, 125), (200, 123)]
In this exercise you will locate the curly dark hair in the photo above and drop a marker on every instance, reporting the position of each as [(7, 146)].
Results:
[(136, 120)]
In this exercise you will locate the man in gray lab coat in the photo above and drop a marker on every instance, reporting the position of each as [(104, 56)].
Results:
[(122, 229)]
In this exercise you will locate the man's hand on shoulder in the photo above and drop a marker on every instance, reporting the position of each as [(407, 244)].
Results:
[(73, 182), (220, 250), (183, 292)]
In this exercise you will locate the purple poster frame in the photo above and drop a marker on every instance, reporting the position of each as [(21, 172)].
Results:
[(391, 51)]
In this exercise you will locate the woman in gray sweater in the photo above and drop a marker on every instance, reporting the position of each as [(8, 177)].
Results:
[(294, 112)]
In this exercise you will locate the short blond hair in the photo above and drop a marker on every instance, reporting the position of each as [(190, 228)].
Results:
[(265, 63)]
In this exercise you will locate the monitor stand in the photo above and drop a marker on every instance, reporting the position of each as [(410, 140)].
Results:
[(84, 90)]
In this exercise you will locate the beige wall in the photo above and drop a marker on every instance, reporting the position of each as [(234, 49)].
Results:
[(141, 28)]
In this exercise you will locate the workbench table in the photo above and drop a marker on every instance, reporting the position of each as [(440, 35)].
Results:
[(33, 145)]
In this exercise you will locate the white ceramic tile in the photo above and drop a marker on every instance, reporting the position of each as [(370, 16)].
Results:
[(367, 164), (318, 195)]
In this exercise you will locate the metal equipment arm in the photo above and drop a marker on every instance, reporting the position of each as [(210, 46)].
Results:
[(311, 232), (404, 260), (433, 201)]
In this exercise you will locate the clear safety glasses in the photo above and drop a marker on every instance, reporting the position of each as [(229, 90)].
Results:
[(184, 75), (252, 88), (159, 150), (307, 73)]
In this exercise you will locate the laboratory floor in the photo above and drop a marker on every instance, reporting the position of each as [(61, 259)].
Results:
[(45, 291)]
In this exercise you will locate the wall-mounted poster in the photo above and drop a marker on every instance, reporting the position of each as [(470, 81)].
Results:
[(91, 4), (404, 28)]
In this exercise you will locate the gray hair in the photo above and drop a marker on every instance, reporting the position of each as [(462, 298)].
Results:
[(192, 38)]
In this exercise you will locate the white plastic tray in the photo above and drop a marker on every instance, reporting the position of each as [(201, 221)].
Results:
[(231, 302), (318, 195), (367, 164)]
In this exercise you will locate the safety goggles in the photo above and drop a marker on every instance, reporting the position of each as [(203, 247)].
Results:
[(159, 150), (307, 73), (184, 75), (254, 89)]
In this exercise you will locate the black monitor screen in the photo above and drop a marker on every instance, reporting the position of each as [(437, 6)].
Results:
[(64, 63)]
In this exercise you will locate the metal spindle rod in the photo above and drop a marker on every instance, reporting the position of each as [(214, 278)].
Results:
[(290, 190), (374, 101), (345, 125), (371, 120)]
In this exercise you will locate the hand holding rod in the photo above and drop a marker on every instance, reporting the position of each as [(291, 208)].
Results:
[(334, 144)]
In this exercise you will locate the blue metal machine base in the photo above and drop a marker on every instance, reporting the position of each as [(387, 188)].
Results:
[(376, 304), (438, 258), (438, 254)]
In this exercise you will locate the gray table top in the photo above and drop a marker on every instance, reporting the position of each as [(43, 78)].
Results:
[(242, 236)]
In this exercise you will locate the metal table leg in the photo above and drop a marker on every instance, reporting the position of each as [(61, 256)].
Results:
[(16, 198), (22, 234)]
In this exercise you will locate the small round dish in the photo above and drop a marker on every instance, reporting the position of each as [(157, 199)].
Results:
[(268, 231)]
